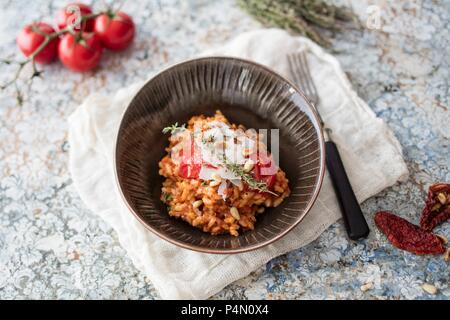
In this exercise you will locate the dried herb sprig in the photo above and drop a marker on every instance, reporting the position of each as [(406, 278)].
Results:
[(302, 16)]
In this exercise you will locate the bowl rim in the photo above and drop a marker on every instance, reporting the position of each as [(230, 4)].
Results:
[(258, 245)]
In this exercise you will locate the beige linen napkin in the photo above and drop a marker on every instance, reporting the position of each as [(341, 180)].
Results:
[(369, 150)]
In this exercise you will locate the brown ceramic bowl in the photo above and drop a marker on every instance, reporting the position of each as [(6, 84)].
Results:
[(247, 93)]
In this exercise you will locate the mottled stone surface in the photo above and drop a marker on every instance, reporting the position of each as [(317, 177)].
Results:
[(51, 246)]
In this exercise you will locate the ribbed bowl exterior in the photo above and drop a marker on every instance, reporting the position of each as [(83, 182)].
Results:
[(246, 93)]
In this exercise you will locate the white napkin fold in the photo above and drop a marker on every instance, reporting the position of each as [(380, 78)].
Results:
[(369, 150)]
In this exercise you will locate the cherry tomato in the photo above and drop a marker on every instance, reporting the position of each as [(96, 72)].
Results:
[(73, 12), (265, 169), (189, 171), (116, 31), (80, 52), (191, 162), (269, 180), (30, 38)]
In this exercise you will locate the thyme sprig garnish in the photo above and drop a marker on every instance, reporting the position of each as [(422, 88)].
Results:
[(174, 128), (247, 177)]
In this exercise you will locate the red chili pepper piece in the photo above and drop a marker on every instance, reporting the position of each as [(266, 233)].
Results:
[(437, 206), (407, 236)]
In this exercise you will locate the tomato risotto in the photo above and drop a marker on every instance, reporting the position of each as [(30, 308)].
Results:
[(219, 176)]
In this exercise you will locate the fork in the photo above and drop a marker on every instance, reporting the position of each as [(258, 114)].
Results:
[(354, 220)]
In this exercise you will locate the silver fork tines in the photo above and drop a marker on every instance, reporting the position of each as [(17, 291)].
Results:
[(298, 64), (300, 70)]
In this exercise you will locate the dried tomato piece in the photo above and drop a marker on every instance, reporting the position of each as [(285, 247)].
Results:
[(407, 236), (437, 206)]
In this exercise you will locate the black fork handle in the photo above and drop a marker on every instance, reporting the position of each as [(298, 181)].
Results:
[(354, 220)]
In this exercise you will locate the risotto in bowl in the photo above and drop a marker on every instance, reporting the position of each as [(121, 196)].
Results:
[(219, 155), (218, 176)]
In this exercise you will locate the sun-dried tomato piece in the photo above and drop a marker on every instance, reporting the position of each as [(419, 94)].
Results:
[(407, 236), (437, 206)]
